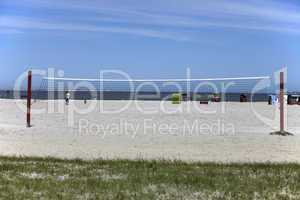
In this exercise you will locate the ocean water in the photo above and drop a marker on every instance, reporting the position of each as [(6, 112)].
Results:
[(123, 95)]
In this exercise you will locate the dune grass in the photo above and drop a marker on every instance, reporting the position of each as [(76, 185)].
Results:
[(49, 178)]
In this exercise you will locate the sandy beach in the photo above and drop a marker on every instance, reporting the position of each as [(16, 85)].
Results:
[(229, 132)]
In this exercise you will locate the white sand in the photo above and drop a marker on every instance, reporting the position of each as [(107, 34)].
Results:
[(237, 134)]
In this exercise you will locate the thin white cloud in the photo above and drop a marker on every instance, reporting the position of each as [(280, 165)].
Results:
[(29, 23), (152, 18), (184, 22), (270, 10)]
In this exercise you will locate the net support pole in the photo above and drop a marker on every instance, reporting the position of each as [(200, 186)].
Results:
[(282, 107), (282, 101), (29, 94)]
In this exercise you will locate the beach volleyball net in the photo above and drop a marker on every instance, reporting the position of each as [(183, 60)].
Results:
[(173, 91), (231, 89)]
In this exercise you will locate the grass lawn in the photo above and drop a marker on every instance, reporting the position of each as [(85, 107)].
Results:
[(48, 178)]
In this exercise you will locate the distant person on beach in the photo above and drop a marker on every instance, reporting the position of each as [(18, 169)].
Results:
[(67, 98)]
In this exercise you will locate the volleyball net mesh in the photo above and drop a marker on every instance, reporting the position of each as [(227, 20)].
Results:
[(143, 88)]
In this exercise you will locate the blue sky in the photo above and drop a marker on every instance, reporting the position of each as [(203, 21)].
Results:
[(151, 39)]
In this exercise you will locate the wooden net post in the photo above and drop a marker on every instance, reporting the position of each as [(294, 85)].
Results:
[(282, 101), (29, 94), (282, 108)]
